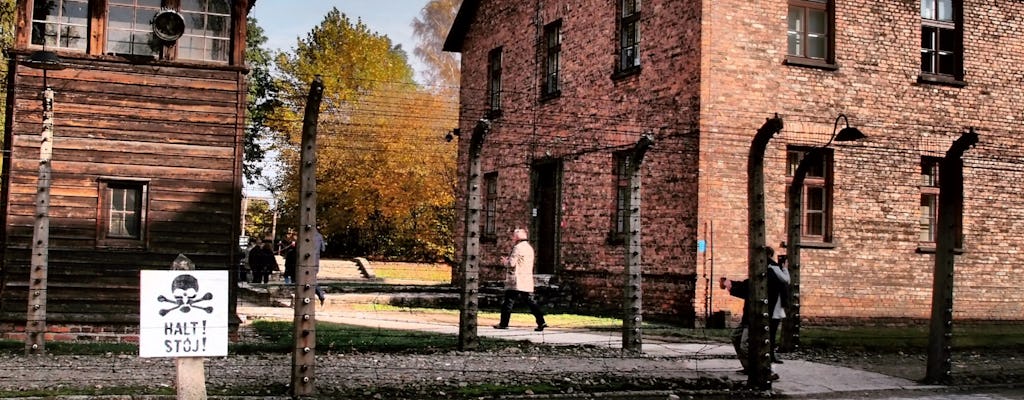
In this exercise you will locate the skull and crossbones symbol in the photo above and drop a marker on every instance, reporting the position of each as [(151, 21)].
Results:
[(185, 289)]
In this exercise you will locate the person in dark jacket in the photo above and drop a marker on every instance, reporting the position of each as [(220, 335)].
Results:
[(739, 334), (262, 262), (778, 297), (290, 261)]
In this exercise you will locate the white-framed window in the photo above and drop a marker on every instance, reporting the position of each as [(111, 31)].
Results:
[(207, 30), (130, 29), (122, 213), (61, 24)]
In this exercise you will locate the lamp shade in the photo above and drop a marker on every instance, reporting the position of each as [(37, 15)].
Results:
[(44, 60), (849, 134)]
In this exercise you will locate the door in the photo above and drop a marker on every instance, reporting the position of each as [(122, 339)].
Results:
[(546, 190)]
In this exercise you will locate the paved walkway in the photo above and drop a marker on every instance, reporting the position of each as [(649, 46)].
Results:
[(799, 378)]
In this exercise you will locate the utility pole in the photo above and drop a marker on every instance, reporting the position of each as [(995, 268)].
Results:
[(470, 305), (303, 355), (951, 203), (759, 358), (632, 339)]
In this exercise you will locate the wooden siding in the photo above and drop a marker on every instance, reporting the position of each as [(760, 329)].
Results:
[(178, 128)]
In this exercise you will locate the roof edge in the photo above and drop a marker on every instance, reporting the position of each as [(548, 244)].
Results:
[(457, 33)]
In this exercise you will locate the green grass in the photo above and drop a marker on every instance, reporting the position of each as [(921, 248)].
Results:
[(332, 337), (72, 348), (569, 321)]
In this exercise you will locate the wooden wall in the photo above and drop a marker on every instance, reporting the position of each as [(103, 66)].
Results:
[(178, 127)]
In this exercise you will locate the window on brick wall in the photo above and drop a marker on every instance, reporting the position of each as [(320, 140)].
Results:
[(816, 207), (494, 80), (810, 38), (941, 41), (929, 199), (620, 162), (629, 37), (929, 223), (552, 59), (490, 233)]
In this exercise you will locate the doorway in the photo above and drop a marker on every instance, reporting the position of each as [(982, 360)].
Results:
[(545, 212)]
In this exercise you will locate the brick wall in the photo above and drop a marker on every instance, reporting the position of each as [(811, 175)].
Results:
[(594, 117), (712, 73), (874, 270)]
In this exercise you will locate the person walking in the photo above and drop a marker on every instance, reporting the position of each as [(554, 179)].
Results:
[(519, 281), (290, 261), (778, 297), (740, 334), (319, 247)]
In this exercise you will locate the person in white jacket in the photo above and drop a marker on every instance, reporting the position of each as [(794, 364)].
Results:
[(519, 280)]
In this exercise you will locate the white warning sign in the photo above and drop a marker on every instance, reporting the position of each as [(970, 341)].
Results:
[(183, 313)]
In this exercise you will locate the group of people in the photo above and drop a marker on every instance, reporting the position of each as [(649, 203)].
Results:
[(778, 300), (262, 260)]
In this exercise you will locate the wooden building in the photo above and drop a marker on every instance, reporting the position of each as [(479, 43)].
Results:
[(148, 124), (568, 87)]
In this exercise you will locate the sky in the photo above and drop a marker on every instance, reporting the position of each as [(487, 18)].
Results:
[(285, 21)]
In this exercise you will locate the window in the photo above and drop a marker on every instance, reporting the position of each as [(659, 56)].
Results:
[(629, 36), (129, 29), (122, 213), (494, 79), (816, 207), (207, 35), (207, 30), (622, 195), (929, 223), (940, 38), (552, 58), (809, 32), (929, 199), (61, 24), (490, 232)]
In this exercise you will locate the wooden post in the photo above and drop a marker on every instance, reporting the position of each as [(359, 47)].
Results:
[(757, 316), (190, 383), (35, 322), (951, 202), (303, 355), (468, 339), (632, 321)]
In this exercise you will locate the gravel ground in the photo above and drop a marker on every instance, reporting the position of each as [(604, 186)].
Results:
[(454, 375), (450, 375), (992, 367)]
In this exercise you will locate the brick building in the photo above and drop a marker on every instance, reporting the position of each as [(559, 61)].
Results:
[(569, 87)]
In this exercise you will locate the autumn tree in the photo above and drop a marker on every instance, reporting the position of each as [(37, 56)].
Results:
[(382, 157), (262, 98), (431, 28), (7, 17), (259, 219)]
